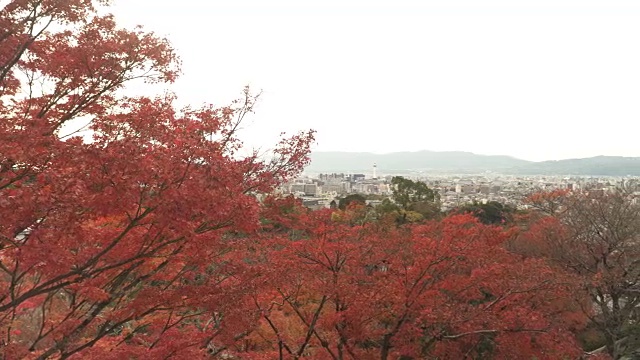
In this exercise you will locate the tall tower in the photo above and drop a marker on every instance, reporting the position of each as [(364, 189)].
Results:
[(375, 167)]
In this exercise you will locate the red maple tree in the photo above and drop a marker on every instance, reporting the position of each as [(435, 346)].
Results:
[(118, 243), (445, 289)]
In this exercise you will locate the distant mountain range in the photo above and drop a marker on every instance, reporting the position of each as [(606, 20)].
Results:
[(468, 163)]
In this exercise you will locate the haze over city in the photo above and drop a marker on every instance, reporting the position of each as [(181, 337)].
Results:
[(537, 80)]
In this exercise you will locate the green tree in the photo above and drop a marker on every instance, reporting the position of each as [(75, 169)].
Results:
[(415, 196), (387, 206), (493, 212), (353, 198), (407, 192), (333, 204)]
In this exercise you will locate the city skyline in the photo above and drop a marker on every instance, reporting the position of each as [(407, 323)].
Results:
[(536, 80)]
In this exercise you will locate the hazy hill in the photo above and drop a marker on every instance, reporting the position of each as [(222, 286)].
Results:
[(420, 160), (599, 165), (466, 162)]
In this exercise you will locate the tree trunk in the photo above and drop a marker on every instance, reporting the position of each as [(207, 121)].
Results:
[(386, 346)]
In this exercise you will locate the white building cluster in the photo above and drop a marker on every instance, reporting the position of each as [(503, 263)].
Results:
[(454, 190)]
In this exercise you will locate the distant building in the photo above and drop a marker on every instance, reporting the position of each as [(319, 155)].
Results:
[(306, 189)]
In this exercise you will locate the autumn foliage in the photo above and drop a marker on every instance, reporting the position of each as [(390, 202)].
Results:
[(116, 244), (594, 235), (153, 238), (444, 289)]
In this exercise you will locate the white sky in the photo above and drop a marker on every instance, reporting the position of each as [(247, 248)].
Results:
[(535, 79)]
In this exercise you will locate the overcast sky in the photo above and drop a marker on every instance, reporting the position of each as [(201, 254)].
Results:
[(538, 80)]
